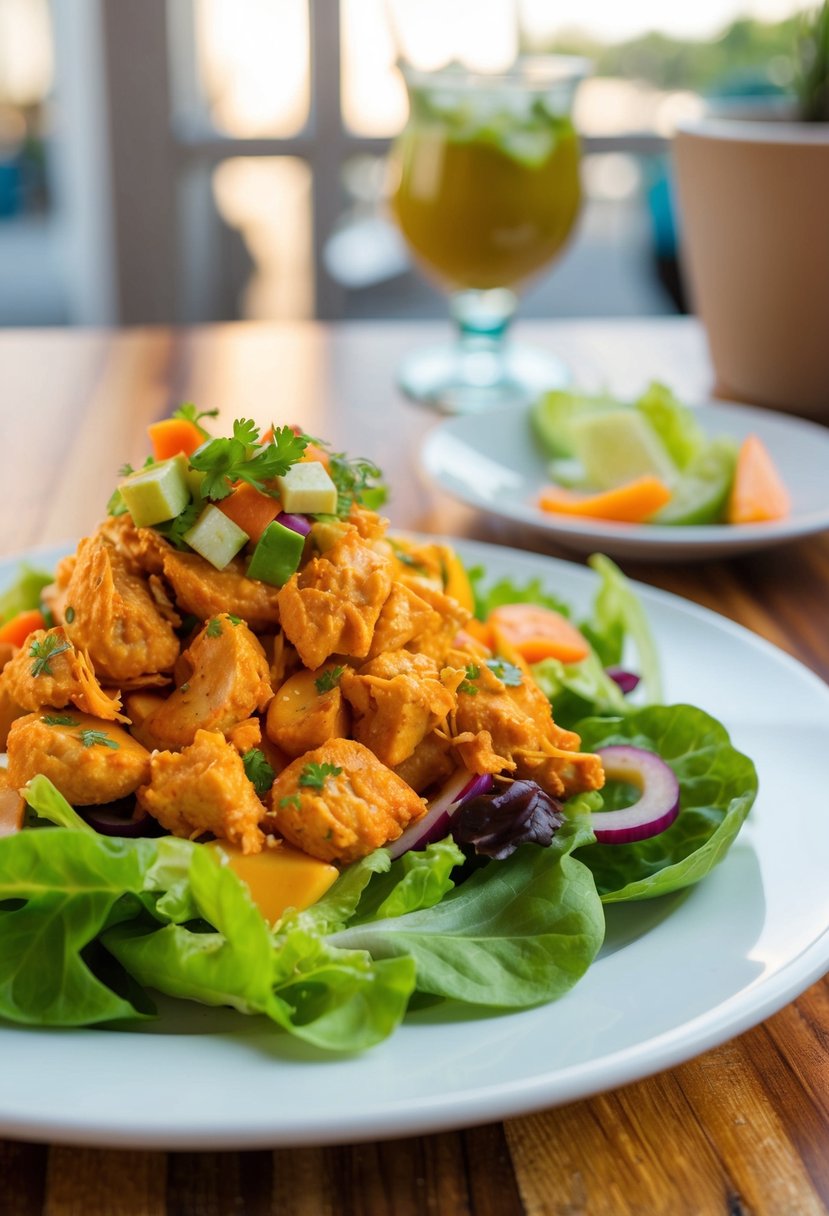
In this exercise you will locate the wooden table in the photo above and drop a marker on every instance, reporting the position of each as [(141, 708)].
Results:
[(742, 1129)]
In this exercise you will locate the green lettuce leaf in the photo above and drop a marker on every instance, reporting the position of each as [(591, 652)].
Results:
[(24, 593), (718, 786), (577, 690), (505, 591), (48, 803), (516, 933), (618, 614), (674, 423), (419, 879), (338, 1000), (59, 889)]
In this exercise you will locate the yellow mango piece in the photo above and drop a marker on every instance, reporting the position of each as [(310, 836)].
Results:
[(278, 878), (457, 581)]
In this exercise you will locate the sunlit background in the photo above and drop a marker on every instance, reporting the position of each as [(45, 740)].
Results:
[(217, 159)]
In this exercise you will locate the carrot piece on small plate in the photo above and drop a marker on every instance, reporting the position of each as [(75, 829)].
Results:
[(758, 494), (634, 502)]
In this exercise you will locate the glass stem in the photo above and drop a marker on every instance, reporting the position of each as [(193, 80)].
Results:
[(483, 318)]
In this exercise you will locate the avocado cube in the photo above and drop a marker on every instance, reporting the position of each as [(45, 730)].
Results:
[(215, 537), (306, 489), (157, 493), (277, 555)]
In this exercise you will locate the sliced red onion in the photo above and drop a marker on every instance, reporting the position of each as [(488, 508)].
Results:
[(297, 523), (627, 680), (436, 823), (653, 812), (107, 821)]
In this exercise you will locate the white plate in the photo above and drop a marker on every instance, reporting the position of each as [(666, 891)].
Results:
[(493, 463), (676, 976)]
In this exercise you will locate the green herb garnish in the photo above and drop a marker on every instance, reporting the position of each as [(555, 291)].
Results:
[(189, 412), (291, 800), (173, 529), (506, 672), (313, 775), (246, 458), (472, 673), (257, 770), (69, 615), (90, 737), (43, 652), (234, 620), (214, 628), (357, 480), (328, 680), (59, 720)]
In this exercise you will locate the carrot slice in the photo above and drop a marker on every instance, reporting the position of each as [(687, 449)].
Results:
[(758, 493), (19, 627), (250, 510), (536, 633), (174, 435), (633, 502)]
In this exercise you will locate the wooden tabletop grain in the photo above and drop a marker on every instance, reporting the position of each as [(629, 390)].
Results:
[(742, 1129)]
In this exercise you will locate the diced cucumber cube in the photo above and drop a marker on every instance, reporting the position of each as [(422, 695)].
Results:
[(306, 489), (194, 479), (277, 555), (157, 493), (215, 537)]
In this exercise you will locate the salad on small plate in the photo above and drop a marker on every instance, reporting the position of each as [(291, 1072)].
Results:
[(650, 478)]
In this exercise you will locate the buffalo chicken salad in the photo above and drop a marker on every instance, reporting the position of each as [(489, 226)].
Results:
[(262, 753)]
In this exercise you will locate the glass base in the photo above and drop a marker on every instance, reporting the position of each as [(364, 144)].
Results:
[(461, 379)]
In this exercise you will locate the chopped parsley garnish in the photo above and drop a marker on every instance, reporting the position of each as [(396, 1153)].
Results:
[(185, 686), (188, 412), (257, 770), (59, 720), (506, 672), (90, 737), (69, 615), (313, 775), (291, 800), (214, 627), (406, 559), (246, 458), (472, 673), (234, 620), (328, 680), (43, 651)]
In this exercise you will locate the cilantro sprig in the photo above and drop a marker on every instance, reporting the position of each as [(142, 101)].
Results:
[(43, 652), (313, 776), (506, 672), (472, 673), (188, 412), (329, 679), (244, 457), (89, 738), (257, 770), (59, 720)]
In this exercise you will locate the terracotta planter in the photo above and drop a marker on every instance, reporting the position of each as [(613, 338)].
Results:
[(754, 206)]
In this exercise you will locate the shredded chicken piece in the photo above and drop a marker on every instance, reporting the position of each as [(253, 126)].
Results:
[(345, 814), (498, 723), (331, 606), (246, 735), (65, 677), (90, 760), (9, 710), (404, 615), (430, 763), (226, 684), (115, 619), (398, 698), (449, 616), (204, 789)]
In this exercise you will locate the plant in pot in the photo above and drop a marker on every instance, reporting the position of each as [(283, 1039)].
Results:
[(754, 205)]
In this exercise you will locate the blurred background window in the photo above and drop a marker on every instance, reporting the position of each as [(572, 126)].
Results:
[(189, 160)]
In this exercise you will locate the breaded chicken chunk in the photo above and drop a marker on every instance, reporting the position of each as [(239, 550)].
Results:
[(204, 789), (339, 803), (226, 681), (398, 698), (503, 726), (91, 761), (114, 616), (207, 592), (331, 606), (50, 670)]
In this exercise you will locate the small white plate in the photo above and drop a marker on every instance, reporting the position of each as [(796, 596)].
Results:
[(675, 976), (493, 462)]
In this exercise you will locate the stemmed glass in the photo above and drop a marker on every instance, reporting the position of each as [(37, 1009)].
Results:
[(487, 192)]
